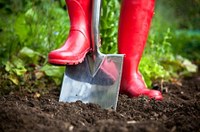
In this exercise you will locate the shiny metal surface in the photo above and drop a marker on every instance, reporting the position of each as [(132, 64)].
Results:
[(97, 78)]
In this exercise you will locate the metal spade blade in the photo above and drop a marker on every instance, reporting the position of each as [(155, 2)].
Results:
[(97, 78)]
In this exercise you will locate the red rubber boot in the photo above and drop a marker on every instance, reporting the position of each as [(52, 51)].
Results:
[(78, 42), (134, 24)]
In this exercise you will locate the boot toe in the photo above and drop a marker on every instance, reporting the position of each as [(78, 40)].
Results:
[(60, 58), (136, 92), (155, 94), (56, 54)]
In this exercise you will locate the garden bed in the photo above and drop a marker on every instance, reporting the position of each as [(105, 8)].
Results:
[(179, 111)]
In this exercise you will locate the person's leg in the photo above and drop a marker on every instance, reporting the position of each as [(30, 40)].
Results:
[(78, 42), (134, 24)]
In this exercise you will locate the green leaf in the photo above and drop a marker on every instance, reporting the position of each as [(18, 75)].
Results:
[(18, 67), (8, 66), (15, 68), (20, 71), (25, 51), (14, 79), (189, 66), (21, 29), (17, 62), (56, 72), (31, 15)]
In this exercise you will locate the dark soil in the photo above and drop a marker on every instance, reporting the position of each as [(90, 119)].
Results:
[(179, 111)]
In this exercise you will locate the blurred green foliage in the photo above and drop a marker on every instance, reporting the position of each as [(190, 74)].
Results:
[(187, 44), (187, 12), (109, 25), (164, 56), (30, 29)]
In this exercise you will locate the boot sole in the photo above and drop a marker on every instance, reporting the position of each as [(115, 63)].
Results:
[(62, 62), (157, 97)]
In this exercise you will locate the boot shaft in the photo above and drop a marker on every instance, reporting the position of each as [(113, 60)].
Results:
[(80, 15), (134, 24)]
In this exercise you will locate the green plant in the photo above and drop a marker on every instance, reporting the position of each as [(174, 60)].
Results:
[(159, 61), (155, 51), (109, 25), (28, 33)]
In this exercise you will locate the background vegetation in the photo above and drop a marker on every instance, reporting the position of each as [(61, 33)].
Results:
[(30, 29)]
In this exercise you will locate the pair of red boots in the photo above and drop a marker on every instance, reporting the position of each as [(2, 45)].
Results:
[(134, 24)]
